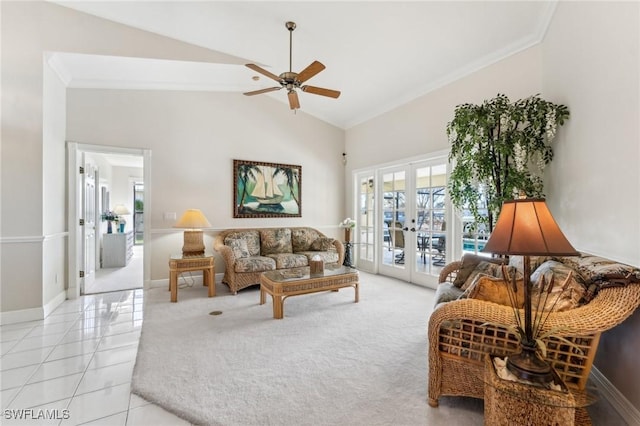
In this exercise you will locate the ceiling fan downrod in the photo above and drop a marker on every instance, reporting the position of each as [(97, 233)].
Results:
[(290, 26)]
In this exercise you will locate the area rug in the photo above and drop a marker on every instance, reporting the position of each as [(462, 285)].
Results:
[(330, 361)]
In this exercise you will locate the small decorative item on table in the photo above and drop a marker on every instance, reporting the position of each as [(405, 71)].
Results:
[(348, 224), (316, 265), (110, 216)]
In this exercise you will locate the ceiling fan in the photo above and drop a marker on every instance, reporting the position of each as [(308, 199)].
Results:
[(291, 80)]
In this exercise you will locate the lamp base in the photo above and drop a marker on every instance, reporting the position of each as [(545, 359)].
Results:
[(193, 243), (527, 365)]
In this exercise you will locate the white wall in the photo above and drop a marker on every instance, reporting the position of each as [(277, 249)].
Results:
[(591, 62), (194, 138), (28, 31)]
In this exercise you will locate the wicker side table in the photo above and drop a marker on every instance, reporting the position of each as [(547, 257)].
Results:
[(181, 263), (508, 403)]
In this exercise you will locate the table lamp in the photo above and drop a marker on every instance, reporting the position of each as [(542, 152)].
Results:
[(193, 220), (525, 227), (121, 210)]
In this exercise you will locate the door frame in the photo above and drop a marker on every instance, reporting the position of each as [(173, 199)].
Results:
[(74, 246)]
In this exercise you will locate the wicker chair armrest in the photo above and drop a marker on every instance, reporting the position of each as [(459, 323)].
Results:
[(609, 308), (446, 272), (340, 249)]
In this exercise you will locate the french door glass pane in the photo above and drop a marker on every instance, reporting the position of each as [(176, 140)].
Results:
[(366, 221)]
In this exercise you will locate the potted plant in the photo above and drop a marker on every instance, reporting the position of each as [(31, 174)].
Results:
[(499, 149)]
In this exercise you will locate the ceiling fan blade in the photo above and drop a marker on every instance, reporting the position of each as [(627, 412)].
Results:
[(321, 91), (294, 102), (310, 71), (258, 92), (263, 72)]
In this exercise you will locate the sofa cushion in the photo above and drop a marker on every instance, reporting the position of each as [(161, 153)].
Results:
[(469, 263), (321, 244), (447, 292), (557, 298), (327, 256), (302, 238), (274, 241), (255, 264), (239, 247), (251, 236), (289, 260)]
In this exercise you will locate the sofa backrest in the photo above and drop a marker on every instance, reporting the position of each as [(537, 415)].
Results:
[(275, 241), (302, 238), (251, 236)]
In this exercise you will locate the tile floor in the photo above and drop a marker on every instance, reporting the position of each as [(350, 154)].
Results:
[(76, 366)]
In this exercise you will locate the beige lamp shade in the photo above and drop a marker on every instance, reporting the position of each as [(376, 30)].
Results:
[(121, 209), (526, 227), (193, 220)]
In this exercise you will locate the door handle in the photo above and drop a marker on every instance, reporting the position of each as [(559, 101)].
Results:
[(405, 229)]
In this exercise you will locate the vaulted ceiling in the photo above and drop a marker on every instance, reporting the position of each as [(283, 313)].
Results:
[(378, 54)]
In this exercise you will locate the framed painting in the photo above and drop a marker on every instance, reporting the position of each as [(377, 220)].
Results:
[(266, 189)]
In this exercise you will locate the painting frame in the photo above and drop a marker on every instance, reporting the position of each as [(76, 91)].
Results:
[(266, 190)]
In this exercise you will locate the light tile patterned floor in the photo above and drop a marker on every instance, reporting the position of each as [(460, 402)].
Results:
[(76, 366)]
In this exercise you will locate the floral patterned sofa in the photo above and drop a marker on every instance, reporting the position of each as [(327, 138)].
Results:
[(249, 252)]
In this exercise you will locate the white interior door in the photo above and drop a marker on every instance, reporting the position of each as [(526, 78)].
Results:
[(88, 214)]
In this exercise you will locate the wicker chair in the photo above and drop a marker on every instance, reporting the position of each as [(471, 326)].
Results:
[(459, 338)]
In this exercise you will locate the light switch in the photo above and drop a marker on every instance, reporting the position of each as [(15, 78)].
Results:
[(170, 216)]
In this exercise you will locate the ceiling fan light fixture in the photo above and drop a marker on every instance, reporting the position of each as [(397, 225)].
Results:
[(291, 80)]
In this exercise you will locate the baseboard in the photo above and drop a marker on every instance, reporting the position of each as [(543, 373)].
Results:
[(618, 401), (54, 303), (21, 315)]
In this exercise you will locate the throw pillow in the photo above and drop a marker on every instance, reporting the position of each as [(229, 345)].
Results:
[(555, 297), (469, 263), (275, 241), (486, 268), (239, 247), (495, 290), (534, 262), (322, 244)]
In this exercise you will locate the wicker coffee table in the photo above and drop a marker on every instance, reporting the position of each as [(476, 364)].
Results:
[(296, 281)]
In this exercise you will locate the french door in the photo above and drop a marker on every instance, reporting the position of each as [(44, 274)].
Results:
[(402, 221)]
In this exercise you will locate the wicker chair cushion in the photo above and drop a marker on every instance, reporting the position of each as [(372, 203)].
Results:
[(302, 238), (559, 299), (327, 256), (275, 241), (482, 268), (447, 292), (239, 247), (251, 236), (289, 260), (321, 244), (469, 264), (492, 289), (255, 264)]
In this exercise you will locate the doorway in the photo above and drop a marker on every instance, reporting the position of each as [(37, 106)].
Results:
[(403, 211), (119, 175)]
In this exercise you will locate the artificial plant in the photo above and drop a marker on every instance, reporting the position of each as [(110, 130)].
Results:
[(499, 149)]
